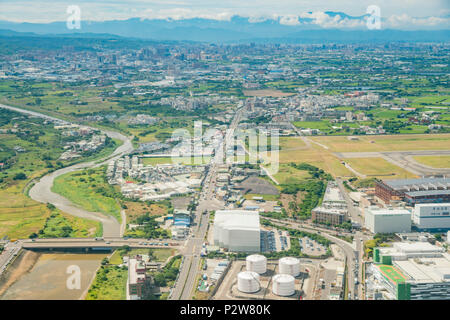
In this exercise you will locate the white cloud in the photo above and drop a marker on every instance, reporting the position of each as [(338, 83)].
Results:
[(289, 20), (402, 14)]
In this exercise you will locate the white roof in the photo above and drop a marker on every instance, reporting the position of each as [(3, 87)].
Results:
[(420, 247), (426, 270), (237, 219), (389, 211)]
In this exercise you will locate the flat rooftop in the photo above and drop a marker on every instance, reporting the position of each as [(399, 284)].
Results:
[(426, 270), (237, 219), (400, 183), (389, 211)]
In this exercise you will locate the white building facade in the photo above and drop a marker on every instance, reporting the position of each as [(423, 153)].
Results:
[(430, 216), (387, 220), (237, 230)]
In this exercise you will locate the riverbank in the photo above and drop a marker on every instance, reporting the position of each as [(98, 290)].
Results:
[(24, 262)]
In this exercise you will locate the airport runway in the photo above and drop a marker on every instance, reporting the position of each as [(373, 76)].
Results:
[(403, 159)]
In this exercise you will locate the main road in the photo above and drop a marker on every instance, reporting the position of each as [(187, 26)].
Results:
[(42, 192), (207, 201)]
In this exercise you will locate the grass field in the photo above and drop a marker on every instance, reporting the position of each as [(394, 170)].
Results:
[(387, 143), (89, 190), (109, 284), (434, 161), (293, 149), (21, 216), (378, 167), (392, 273), (137, 209), (160, 255), (287, 174), (315, 155)]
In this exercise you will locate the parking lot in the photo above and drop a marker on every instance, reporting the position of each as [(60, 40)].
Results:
[(311, 247)]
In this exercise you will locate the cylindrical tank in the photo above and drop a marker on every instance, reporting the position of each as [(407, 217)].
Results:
[(283, 285), (289, 265), (256, 263), (248, 281)]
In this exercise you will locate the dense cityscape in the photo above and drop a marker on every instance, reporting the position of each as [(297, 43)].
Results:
[(255, 170)]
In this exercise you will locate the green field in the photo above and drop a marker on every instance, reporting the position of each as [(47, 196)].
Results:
[(434, 161), (392, 273), (109, 284), (21, 216), (378, 167), (89, 190)]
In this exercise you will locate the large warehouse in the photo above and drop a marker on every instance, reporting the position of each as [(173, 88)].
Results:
[(424, 190), (237, 230), (387, 220), (432, 216), (411, 271)]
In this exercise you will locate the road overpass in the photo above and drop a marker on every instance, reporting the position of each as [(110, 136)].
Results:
[(91, 244)]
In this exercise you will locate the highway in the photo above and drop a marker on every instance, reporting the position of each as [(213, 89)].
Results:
[(184, 287), (75, 243), (42, 192)]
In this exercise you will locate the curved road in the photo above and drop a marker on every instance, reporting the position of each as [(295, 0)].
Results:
[(41, 191)]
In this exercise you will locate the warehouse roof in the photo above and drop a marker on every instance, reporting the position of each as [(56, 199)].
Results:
[(239, 219), (427, 193), (397, 184)]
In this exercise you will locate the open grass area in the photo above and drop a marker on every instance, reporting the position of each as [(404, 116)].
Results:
[(287, 174), (296, 142), (21, 216), (136, 209), (378, 167), (434, 161), (109, 284), (89, 189), (159, 255), (314, 155), (387, 143), (59, 225)]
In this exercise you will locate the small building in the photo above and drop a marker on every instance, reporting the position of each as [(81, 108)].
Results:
[(327, 215), (138, 282)]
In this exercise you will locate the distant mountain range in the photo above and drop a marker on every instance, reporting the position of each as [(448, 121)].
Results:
[(237, 29)]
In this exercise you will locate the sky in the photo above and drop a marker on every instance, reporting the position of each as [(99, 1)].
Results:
[(399, 14)]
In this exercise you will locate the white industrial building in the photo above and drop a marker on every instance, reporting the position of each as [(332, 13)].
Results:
[(387, 220), (411, 271), (432, 216), (237, 230)]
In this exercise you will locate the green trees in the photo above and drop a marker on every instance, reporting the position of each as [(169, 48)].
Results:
[(20, 176)]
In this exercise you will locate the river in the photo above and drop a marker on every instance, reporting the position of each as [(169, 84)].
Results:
[(47, 280)]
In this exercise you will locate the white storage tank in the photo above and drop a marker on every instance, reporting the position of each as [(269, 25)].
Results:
[(283, 285), (248, 281), (256, 263), (289, 265)]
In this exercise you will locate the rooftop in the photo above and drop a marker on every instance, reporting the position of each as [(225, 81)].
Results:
[(399, 183), (239, 219), (378, 211), (425, 270)]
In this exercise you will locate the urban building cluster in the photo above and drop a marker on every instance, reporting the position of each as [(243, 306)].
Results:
[(409, 271), (147, 183)]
